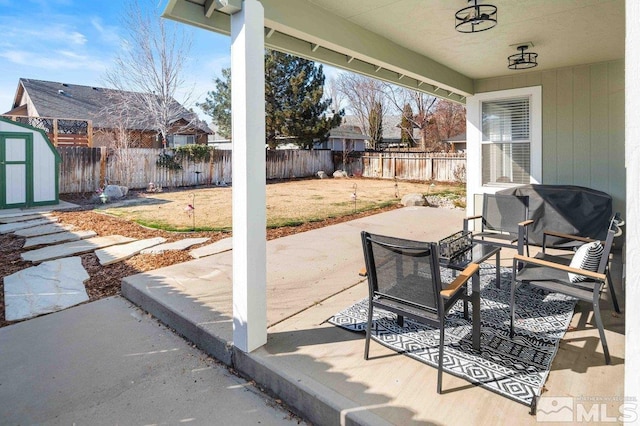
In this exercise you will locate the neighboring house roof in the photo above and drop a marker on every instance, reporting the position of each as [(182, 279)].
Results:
[(347, 131), (390, 125), (74, 101), (460, 137)]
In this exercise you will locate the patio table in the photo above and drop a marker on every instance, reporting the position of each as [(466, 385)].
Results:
[(477, 254)]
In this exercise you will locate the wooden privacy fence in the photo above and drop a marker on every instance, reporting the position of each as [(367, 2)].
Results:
[(421, 166), (87, 169)]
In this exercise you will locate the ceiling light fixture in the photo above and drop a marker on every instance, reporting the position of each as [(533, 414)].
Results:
[(522, 61), (476, 17)]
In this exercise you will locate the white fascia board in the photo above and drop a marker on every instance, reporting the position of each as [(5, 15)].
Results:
[(300, 25)]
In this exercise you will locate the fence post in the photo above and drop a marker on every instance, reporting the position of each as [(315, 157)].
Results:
[(103, 164), (90, 133), (55, 132)]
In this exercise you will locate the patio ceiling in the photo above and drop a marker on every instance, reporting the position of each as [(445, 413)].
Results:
[(413, 43)]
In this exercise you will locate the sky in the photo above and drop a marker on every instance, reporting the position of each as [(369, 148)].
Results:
[(75, 41)]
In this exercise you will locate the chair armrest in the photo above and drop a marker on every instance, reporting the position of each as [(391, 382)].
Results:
[(568, 236), (460, 280), (465, 221), (525, 222), (560, 267), (363, 271)]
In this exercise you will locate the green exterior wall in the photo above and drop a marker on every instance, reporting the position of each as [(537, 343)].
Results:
[(583, 125)]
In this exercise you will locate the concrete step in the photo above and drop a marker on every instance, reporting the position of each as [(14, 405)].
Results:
[(43, 230)]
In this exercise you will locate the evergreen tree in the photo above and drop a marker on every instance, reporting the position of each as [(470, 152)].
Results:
[(375, 125), (293, 101), (294, 104), (217, 105), (406, 126)]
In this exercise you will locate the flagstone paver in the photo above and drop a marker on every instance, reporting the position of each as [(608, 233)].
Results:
[(175, 246), (43, 230), (12, 227), (48, 287), (74, 247), (23, 217), (220, 246), (118, 253), (59, 237)]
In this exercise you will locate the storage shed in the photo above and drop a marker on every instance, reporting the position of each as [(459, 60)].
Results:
[(29, 167)]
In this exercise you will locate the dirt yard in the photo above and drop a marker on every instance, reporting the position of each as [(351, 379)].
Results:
[(289, 203)]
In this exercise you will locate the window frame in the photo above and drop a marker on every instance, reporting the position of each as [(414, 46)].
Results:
[(475, 142)]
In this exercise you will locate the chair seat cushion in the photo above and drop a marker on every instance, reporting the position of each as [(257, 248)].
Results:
[(587, 257)]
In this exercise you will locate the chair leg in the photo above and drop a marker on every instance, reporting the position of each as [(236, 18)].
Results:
[(440, 357), (614, 299), (512, 300), (368, 338), (603, 339)]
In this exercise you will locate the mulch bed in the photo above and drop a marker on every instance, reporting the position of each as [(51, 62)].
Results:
[(104, 281)]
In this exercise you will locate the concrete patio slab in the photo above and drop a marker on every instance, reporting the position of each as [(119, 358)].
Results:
[(23, 217), (73, 248), (118, 253), (319, 368), (175, 246), (219, 246), (59, 237), (109, 363), (48, 287), (12, 227), (43, 230)]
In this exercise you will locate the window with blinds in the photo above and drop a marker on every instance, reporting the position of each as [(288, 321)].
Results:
[(506, 142)]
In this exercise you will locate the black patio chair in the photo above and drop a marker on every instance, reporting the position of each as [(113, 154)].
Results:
[(504, 222), (404, 278), (555, 274), (562, 241)]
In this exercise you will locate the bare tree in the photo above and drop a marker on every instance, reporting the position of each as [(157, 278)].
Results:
[(148, 70), (422, 108), (363, 95), (450, 119), (331, 91)]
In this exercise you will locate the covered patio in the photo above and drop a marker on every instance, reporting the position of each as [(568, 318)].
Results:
[(584, 109), (319, 370)]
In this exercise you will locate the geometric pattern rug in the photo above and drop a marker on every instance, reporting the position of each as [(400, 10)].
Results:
[(515, 368)]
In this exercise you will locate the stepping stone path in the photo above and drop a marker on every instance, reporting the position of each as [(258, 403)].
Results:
[(12, 227), (58, 282), (175, 246), (73, 248), (117, 253), (48, 287), (60, 237), (43, 230), (22, 218), (225, 244)]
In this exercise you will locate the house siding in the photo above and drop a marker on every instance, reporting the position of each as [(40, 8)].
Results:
[(582, 124)]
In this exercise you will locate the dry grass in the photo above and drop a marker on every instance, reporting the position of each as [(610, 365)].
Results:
[(288, 203)]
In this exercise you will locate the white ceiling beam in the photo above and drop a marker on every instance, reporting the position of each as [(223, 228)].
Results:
[(228, 7)]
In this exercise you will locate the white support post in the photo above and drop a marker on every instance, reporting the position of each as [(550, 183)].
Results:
[(249, 181), (632, 160)]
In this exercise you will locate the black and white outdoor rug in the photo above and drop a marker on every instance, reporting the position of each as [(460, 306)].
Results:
[(516, 368)]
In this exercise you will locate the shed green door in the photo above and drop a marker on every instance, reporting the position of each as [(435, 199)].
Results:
[(15, 170)]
